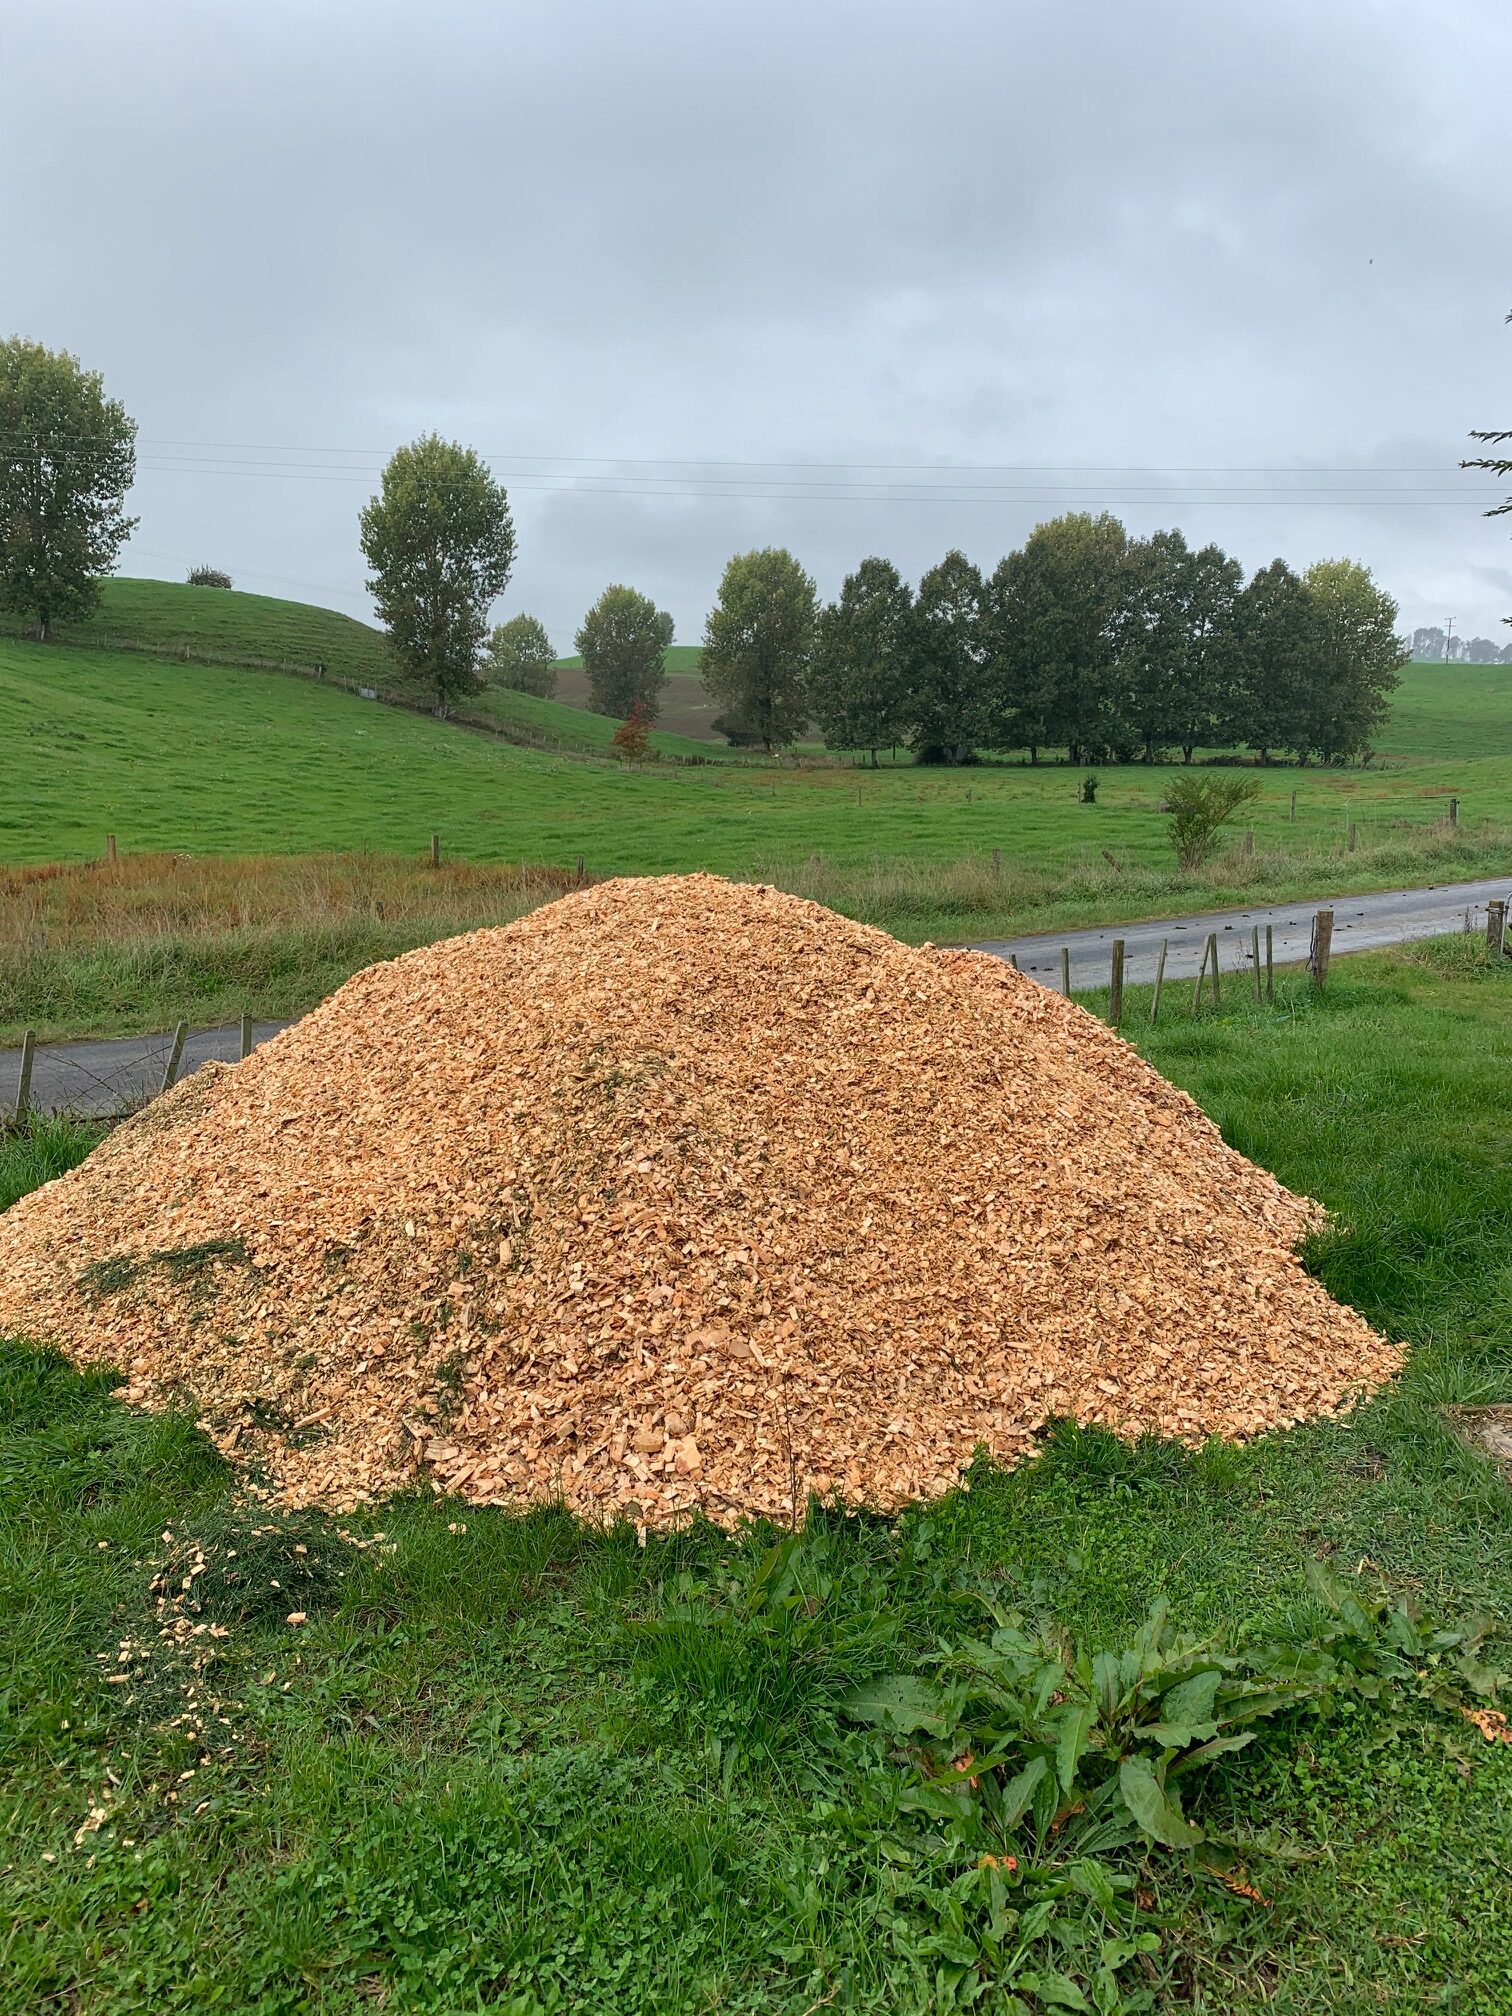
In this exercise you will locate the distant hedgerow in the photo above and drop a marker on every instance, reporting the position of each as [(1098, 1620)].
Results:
[(209, 577)]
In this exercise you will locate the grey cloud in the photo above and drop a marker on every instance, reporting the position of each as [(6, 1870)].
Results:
[(1179, 237)]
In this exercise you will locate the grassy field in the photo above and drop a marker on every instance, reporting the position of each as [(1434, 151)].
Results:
[(513, 1764), (230, 790), (212, 626)]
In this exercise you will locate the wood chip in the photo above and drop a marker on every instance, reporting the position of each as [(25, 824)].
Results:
[(681, 1151)]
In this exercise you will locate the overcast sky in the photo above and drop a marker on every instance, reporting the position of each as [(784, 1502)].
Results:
[(848, 276)]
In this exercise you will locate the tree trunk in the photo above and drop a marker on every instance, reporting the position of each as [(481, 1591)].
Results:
[(1186, 751), (874, 763), (44, 626), (1033, 755)]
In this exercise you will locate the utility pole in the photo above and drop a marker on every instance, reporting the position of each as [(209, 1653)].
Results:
[(1448, 638)]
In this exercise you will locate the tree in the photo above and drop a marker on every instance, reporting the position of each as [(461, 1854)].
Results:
[(520, 657), (440, 542), (1056, 613), (1280, 659), (1483, 651), (621, 646), (1361, 658), (67, 459), (666, 629), (208, 577), (1175, 646), (950, 708), (858, 678), (758, 641), (632, 738), (1428, 643)]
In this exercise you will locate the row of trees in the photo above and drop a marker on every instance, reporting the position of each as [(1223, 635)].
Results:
[(1430, 642), (1084, 640)]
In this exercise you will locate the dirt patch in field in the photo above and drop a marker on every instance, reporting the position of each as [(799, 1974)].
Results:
[(680, 1193), (1488, 1430)]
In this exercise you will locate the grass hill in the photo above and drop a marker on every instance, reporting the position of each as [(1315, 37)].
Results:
[(170, 619)]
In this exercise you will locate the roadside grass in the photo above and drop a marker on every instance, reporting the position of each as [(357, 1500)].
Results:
[(509, 1762), (101, 949), (39, 1147)]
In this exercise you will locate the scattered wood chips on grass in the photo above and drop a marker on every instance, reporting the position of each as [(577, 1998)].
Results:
[(681, 1193)]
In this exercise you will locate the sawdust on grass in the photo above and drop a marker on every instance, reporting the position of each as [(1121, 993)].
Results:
[(679, 1193)]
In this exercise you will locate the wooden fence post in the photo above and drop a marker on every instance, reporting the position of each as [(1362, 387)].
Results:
[(1349, 837), (1201, 975), (1453, 812), (175, 1055), (1270, 963), (1496, 926), (435, 850), (1322, 944), (1249, 843), (582, 878), (1294, 806), (1013, 961), (1066, 971), (246, 1036), (110, 848), (1159, 979), (997, 862), (1213, 948), (23, 1084), (1255, 957), (1115, 984)]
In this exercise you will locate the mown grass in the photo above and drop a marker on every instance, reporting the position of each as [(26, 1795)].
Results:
[(510, 1763)]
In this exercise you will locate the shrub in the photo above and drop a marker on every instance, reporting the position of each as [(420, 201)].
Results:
[(1198, 807), (1088, 790), (209, 577), (632, 738)]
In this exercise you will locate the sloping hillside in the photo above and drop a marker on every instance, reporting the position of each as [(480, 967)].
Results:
[(169, 619)]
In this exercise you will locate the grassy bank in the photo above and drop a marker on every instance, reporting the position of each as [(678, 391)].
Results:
[(97, 949), (508, 1763)]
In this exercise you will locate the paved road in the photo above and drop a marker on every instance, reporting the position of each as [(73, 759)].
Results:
[(1361, 924), (107, 1077)]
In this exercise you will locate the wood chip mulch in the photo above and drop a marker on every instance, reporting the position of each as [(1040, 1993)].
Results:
[(680, 1193)]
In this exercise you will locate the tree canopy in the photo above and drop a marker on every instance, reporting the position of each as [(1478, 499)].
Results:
[(440, 542), (858, 678), (67, 459), (757, 645), (622, 641), (520, 657)]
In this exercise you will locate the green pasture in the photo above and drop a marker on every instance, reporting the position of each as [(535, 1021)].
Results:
[(218, 759), (515, 1764)]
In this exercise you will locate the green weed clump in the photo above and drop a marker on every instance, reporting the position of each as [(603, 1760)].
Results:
[(42, 1146)]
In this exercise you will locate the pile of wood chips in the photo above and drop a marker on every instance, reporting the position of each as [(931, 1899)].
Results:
[(680, 1193)]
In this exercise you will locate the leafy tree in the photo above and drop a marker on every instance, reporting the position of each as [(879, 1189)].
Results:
[(859, 676), (208, 577), (1361, 658), (440, 542), (1280, 661), (632, 738), (67, 459), (666, 629), (1056, 616), (621, 644), (1175, 645), (1428, 643), (950, 706), (1483, 651), (758, 642), (520, 657), (1199, 806)]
